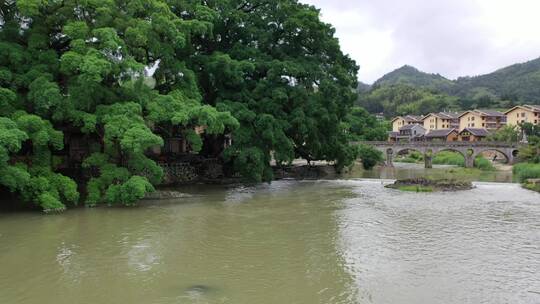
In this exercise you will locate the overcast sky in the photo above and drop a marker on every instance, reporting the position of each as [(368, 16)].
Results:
[(450, 37)]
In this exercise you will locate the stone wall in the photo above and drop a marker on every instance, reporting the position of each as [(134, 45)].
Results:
[(191, 172)]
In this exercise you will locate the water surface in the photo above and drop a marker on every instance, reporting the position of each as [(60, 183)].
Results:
[(342, 241)]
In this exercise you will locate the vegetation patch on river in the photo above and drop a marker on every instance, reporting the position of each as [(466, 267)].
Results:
[(430, 185)]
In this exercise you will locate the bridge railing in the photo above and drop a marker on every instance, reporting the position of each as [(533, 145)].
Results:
[(479, 144)]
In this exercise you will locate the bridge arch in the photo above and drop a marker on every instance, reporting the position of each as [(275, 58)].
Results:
[(508, 155), (465, 152), (460, 152), (469, 150)]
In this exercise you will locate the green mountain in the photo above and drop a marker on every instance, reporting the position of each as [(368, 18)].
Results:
[(363, 87), (408, 75), (518, 83)]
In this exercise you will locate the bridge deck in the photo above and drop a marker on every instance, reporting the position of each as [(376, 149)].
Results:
[(425, 144), (469, 150)]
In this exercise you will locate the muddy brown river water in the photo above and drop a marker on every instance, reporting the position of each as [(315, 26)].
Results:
[(305, 242)]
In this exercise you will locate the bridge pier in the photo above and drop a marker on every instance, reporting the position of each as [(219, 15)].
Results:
[(390, 158), (511, 158), (428, 161), (469, 161)]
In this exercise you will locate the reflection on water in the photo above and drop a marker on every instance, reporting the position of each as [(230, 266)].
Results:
[(338, 241)]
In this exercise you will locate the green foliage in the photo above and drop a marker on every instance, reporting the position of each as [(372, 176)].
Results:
[(403, 99), (449, 158), (531, 152), (363, 126), (530, 129), (284, 78), (519, 83), (412, 157), (129, 192), (269, 72), (408, 75), (483, 164), (532, 187), (369, 156), (508, 134), (415, 188), (456, 159), (524, 171), (32, 176)]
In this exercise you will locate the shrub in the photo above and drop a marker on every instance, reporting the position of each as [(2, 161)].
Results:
[(369, 156), (412, 157), (524, 171), (449, 158), (483, 164)]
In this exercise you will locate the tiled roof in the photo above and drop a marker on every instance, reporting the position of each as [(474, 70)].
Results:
[(490, 112), (534, 108), (439, 133), (409, 118), (451, 115), (445, 115), (411, 126), (412, 118), (480, 132)]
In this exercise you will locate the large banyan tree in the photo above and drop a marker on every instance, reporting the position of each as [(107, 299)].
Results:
[(121, 74)]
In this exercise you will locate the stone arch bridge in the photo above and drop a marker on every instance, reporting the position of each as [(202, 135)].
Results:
[(469, 150)]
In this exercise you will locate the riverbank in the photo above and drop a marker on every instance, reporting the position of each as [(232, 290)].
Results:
[(301, 171), (529, 175), (532, 184)]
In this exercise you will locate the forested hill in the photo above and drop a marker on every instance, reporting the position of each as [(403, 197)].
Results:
[(363, 87), (519, 83), (408, 75)]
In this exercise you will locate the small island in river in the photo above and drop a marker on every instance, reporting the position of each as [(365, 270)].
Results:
[(430, 185)]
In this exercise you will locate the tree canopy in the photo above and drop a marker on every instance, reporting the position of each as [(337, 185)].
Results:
[(125, 74)]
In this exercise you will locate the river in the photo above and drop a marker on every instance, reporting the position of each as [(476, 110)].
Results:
[(305, 242)]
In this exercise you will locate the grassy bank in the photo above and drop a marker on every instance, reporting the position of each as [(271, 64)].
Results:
[(525, 172)]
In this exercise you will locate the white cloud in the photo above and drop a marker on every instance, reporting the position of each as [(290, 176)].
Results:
[(451, 37)]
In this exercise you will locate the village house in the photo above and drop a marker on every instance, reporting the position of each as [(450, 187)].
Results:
[(473, 134), (441, 120), (487, 119), (523, 113), (413, 132), (401, 121), (442, 135)]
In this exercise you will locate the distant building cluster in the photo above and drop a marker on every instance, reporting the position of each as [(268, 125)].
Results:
[(473, 125)]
